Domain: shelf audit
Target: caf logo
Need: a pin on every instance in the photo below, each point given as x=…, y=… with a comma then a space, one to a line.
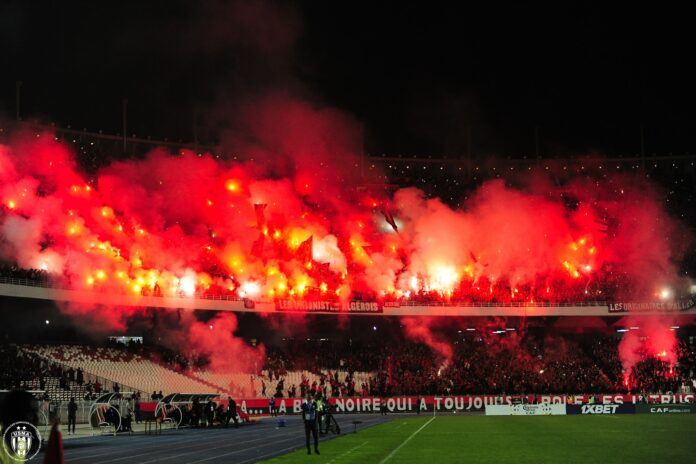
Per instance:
x=22, y=441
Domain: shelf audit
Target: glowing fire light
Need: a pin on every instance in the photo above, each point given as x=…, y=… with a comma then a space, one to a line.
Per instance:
x=232, y=185
x=443, y=278
x=301, y=287
x=249, y=288
x=126, y=244
x=187, y=285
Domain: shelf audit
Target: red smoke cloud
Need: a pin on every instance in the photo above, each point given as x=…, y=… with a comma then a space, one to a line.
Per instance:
x=292, y=221
x=419, y=329
x=647, y=338
x=226, y=352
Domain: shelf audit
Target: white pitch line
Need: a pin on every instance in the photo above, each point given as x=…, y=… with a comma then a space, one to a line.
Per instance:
x=347, y=452
x=391, y=455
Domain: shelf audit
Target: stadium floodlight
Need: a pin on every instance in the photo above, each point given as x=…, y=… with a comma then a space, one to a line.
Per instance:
x=47, y=322
x=512, y=329
x=622, y=330
x=471, y=329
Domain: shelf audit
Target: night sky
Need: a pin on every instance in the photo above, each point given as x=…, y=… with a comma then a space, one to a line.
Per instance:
x=420, y=77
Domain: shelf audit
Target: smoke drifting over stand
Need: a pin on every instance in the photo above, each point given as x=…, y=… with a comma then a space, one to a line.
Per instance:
x=294, y=221
x=295, y=216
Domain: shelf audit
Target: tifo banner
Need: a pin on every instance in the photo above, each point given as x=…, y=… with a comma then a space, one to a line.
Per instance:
x=468, y=403
x=665, y=408
x=328, y=306
x=632, y=399
x=391, y=304
x=398, y=404
x=601, y=409
x=654, y=306
x=545, y=409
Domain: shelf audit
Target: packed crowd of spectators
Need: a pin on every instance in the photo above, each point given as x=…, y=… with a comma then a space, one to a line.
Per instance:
x=561, y=290
x=13, y=272
x=482, y=364
x=326, y=383
x=17, y=367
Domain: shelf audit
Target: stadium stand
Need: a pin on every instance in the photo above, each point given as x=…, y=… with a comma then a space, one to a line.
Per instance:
x=485, y=362
x=535, y=362
x=131, y=371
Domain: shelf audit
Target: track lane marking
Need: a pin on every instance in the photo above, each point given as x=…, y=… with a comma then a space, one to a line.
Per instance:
x=187, y=440
x=167, y=441
x=169, y=456
x=209, y=458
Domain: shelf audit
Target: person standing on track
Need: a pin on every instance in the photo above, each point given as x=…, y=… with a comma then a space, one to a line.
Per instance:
x=209, y=413
x=72, y=414
x=309, y=417
x=232, y=412
x=137, y=409
x=320, y=413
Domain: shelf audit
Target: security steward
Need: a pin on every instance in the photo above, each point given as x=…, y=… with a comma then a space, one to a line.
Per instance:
x=321, y=413
x=309, y=417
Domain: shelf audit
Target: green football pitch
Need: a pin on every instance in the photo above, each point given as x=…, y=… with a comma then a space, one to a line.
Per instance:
x=606, y=439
